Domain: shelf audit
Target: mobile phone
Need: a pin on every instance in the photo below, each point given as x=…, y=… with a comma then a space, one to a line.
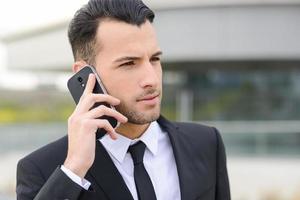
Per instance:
x=76, y=85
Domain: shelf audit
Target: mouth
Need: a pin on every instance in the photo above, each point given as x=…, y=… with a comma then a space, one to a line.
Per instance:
x=151, y=99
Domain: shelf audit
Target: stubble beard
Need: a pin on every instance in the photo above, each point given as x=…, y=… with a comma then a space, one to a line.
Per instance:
x=138, y=117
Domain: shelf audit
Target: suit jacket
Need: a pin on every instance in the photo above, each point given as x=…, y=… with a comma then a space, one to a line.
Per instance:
x=199, y=154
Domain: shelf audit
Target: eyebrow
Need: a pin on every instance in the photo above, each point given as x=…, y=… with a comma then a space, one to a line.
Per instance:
x=126, y=58
x=159, y=53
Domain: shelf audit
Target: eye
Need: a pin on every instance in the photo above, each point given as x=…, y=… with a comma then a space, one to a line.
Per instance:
x=130, y=63
x=155, y=59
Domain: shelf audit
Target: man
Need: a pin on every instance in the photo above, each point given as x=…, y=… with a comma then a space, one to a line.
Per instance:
x=146, y=157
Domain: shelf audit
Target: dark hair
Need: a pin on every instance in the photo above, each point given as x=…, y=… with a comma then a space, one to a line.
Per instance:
x=83, y=27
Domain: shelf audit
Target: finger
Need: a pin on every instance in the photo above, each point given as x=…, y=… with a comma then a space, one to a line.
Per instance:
x=102, y=123
x=90, y=100
x=104, y=110
x=89, y=85
x=105, y=98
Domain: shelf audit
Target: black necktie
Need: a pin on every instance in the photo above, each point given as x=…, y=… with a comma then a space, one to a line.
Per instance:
x=143, y=182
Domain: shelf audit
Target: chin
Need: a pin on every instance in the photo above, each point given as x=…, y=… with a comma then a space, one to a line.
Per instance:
x=142, y=118
x=139, y=115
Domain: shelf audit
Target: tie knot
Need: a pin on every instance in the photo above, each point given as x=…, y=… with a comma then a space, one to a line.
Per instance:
x=137, y=152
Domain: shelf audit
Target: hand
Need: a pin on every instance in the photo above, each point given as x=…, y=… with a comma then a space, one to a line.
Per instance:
x=83, y=124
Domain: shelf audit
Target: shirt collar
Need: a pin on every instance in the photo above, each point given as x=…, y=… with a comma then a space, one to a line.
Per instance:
x=118, y=148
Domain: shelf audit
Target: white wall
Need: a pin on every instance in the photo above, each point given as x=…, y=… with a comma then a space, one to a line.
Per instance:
x=47, y=50
x=230, y=33
x=3, y=64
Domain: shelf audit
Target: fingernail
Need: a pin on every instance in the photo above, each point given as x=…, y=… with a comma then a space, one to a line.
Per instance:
x=116, y=103
x=115, y=137
x=124, y=119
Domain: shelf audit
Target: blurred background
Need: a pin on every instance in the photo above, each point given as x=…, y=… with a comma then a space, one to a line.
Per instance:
x=233, y=64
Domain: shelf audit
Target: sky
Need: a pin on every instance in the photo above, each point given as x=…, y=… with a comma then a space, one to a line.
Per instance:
x=17, y=16
x=21, y=15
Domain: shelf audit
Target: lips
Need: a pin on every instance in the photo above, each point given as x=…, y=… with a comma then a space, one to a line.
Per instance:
x=149, y=97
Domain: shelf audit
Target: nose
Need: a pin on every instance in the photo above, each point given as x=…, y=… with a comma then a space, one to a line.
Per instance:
x=150, y=76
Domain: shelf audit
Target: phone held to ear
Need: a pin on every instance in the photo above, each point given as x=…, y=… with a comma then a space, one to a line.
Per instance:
x=76, y=85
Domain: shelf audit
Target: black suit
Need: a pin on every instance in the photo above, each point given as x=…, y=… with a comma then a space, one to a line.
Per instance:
x=199, y=153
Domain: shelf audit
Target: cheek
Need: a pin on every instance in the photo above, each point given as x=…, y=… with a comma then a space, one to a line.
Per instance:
x=159, y=75
x=120, y=88
x=110, y=81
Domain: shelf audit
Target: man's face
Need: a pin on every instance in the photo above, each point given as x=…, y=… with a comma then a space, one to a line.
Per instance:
x=128, y=62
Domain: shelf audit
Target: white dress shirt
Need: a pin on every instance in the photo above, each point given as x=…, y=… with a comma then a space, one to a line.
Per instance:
x=159, y=162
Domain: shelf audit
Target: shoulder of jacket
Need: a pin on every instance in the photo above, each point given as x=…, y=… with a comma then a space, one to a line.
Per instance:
x=193, y=126
x=196, y=131
x=55, y=150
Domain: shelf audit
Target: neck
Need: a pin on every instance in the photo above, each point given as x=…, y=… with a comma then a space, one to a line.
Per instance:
x=132, y=131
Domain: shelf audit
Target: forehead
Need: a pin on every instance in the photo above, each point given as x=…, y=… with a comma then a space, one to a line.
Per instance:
x=120, y=37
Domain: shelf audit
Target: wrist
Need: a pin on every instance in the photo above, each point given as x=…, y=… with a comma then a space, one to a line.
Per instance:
x=76, y=168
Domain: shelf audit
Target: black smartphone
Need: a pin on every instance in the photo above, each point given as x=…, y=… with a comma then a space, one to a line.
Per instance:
x=76, y=85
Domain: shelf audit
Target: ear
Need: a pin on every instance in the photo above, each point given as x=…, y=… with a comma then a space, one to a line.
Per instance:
x=78, y=65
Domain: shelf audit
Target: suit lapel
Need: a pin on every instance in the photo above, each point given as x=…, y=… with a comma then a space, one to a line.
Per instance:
x=107, y=176
x=191, y=174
